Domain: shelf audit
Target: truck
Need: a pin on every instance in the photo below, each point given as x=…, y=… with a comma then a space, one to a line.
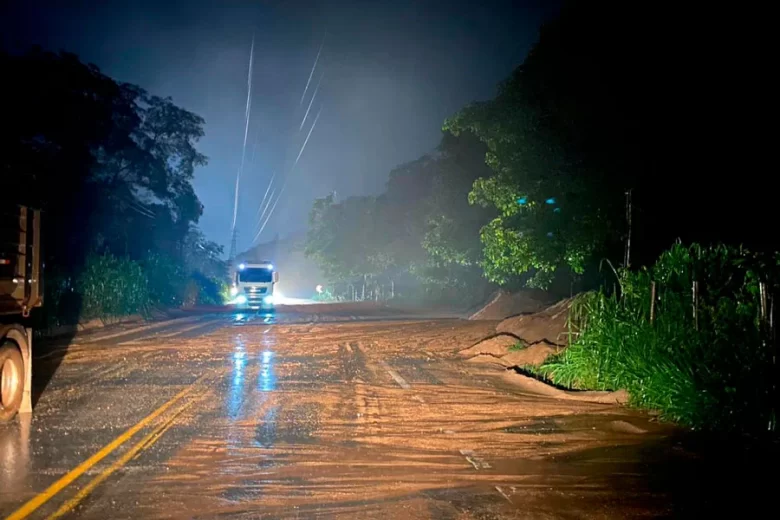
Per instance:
x=21, y=291
x=253, y=286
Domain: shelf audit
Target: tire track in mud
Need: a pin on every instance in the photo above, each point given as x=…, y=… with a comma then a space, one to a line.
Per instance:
x=298, y=427
x=323, y=430
x=357, y=378
x=136, y=355
x=352, y=363
x=194, y=331
x=290, y=420
x=414, y=371
x=71, y=379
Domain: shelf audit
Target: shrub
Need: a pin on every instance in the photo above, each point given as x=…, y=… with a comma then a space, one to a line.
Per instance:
x=110, y=287
x=711, y=372
x=167, y=280
x=207, y=291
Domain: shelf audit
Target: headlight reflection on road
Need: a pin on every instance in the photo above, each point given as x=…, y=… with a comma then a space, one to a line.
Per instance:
x=239, y=361
x=267, y=380
x=237, y=386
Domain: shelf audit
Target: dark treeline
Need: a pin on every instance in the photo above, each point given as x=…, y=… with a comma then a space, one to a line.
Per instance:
x=111, y=167
x=625, y=121
x=420, y=234
x=615, y=98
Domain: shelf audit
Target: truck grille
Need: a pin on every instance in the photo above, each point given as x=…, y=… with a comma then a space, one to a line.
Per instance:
x=254, y=295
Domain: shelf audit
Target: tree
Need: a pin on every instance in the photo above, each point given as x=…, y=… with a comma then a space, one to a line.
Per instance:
x=108, y=162
x=421, y=229
x=547, y=202
x=451, y=239
x=111, y=166
x=617, y=96
x=556, y=139
x=204, y=256
x=344, y=240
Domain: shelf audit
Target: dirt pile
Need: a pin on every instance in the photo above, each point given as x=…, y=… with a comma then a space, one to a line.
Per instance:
x=549, y=325
x=503, y=304
x=497, y=346
x=532, y=355
x=508, y=351
x=542, y=334
x=530, y=385
x=529, y=340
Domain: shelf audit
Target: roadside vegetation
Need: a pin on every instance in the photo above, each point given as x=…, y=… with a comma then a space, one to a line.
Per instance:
x=417, y=240
x=110, y=287
x=111, y=166
x=600, y=148
x=688, y=337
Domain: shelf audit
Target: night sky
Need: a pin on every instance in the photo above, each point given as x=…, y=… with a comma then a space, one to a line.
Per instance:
x=393, y=72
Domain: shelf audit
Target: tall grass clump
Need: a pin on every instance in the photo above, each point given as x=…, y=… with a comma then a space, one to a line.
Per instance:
x=712, y=371
x=111, y=287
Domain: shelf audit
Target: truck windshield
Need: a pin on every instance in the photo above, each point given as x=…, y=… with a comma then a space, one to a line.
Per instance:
x=255, y=275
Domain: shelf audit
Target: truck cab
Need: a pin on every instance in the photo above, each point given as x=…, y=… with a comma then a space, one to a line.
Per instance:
x=253, y=286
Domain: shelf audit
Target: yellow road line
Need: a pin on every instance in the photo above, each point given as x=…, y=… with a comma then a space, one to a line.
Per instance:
x=65, y=480
x=143, y=444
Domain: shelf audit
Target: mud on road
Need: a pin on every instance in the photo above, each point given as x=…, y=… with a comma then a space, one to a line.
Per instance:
x=245, y=416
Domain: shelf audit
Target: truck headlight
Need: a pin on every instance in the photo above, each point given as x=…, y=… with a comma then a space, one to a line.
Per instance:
x=240, y=299
x=268, y=300
x=233, y=290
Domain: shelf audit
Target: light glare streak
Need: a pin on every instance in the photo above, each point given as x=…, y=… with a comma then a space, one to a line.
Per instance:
x=307, y=139
x=265, y=195
x=265, y=209
x=311, y=74
x=313, y=97
x=269, y=215
x=246, y=133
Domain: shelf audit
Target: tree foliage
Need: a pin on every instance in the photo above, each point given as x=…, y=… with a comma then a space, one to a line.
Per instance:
x=555, y=210
x=107, y=161
x=420, y=229
x=110, y=164
x=343, y=238
x=203, y=256
x=709, y=369
x=616, y=97
x=613, y=99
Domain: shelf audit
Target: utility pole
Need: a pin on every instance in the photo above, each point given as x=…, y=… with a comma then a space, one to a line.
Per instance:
x=629, y=212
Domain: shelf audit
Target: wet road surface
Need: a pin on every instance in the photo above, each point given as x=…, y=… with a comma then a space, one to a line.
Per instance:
x=323, y=416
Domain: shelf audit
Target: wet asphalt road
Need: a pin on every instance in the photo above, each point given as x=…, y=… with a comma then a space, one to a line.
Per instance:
x=325, y=416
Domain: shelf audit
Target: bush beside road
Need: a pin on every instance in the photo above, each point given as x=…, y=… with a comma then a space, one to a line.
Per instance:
x=701, y=357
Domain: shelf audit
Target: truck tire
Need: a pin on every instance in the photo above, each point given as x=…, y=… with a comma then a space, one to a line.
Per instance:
x=11, y=380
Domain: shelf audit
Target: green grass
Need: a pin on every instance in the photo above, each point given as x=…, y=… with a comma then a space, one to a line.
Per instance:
x=717, y=377
x=110, y=287
x=517, y=346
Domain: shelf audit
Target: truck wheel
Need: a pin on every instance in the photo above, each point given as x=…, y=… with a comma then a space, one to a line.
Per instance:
x=11, y=380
